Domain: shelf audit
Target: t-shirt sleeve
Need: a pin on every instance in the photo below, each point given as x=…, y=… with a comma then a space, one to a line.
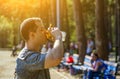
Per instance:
x=35, y=62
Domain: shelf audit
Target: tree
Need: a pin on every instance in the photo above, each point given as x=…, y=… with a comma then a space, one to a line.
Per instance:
x=5, y=32
x=64, y=21
x=89, y=17
x=52, y=12
x=110, y=23
x=101, y=33
x=117, y=24
x=80, y=30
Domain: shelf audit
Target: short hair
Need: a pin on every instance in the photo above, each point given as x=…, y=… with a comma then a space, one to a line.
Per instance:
x=95, y=54
x=29, y=25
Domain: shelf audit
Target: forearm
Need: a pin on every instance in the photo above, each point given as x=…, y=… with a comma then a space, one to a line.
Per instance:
x=57, y=49
x=55, y=55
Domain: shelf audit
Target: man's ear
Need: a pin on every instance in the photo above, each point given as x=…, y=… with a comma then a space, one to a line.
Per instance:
x=31, y=35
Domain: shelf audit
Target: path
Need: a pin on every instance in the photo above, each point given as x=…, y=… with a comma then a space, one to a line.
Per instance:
x=7, y=66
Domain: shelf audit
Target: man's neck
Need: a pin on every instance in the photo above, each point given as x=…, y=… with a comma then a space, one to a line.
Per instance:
x=32, y=47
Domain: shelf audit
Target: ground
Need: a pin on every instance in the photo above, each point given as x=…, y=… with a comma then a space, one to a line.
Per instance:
x=7, y=68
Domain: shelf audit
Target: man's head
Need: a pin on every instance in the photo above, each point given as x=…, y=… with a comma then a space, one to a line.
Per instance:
x=29, y=25
x=32, y=28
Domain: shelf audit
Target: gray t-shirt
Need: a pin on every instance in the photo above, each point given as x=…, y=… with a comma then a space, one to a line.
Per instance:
x=30, y=65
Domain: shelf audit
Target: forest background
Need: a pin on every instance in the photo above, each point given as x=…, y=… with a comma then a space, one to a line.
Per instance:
x=80, y=19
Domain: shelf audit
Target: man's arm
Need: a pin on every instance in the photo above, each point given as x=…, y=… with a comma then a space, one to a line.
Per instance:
x=55, y=55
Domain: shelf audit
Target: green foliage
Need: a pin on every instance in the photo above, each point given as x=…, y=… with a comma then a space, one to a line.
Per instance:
x=89, y=17
x=13, y=12
x=71, y=21
x=5, y=32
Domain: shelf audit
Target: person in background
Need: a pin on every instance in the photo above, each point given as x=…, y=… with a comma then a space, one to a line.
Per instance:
x=97, y=67
x=16, y=48
x=44, y=49
x=50, y=46
x=76, y=48
x=72, y=48
x=30, y=63
x=90, y=46
x=70, y=59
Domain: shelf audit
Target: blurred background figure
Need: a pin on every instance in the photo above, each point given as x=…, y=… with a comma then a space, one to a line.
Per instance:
x=44, y=49
x=16, y=48
x=90, y=46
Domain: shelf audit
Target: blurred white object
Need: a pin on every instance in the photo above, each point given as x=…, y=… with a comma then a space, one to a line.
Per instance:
x=63, y=35
x=44, y=50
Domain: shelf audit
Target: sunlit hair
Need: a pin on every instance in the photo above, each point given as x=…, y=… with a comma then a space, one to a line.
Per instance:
x=95, y=54
x=29, y=25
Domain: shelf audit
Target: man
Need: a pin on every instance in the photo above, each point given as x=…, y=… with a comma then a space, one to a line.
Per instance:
x=31, y=64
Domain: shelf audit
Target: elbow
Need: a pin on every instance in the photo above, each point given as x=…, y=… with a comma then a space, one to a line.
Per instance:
x=52, y=63
x=57, y=62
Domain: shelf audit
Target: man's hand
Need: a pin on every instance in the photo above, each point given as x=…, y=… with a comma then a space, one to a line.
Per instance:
x=56, y=33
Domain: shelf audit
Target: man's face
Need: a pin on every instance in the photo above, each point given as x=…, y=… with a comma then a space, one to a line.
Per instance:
x=40, y=37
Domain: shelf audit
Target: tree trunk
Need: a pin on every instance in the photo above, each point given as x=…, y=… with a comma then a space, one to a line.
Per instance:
x=110, y=14
x=100, y=34
x=81, y=38
x=52, y=12
x=117, y=24
x=64, y=22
